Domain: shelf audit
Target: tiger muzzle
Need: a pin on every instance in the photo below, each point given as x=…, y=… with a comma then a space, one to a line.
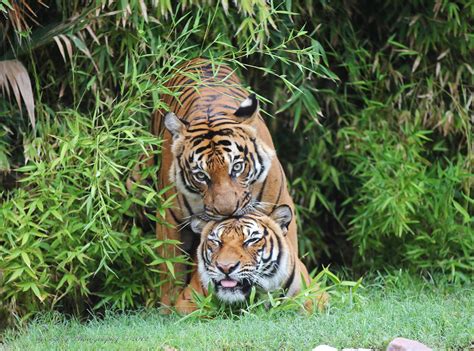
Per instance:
x=224, y=201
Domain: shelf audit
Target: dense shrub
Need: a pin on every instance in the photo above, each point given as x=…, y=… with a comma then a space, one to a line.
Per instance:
x=391, y=166
x=372, y=103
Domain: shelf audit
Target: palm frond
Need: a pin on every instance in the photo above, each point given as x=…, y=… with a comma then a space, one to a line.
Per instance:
x=14, y=79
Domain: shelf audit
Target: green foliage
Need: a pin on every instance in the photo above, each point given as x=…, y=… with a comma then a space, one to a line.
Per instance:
x=409, y=205
x=390, y=164
x=340, y=293
x=372, y=104
x=65, y=240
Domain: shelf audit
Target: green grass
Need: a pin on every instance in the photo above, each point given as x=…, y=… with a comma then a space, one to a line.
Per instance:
x=440, y=316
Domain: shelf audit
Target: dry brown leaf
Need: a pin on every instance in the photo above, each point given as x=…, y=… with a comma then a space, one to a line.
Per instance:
x=68, y=45
x=416, y=64
x=92, y=34
x=60, y=46
x=14, y=76
x=143, y=10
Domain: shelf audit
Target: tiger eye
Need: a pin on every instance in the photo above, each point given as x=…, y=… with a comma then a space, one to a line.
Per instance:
x=200, y=176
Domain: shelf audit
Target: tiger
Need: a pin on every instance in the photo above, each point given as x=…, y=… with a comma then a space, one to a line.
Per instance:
x=241, y=252
x=217, y=160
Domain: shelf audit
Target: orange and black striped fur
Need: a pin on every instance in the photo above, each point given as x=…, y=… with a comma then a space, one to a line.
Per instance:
x=247, y=251
x=217, y=154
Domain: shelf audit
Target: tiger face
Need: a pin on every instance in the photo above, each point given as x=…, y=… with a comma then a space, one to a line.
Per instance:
x=218, y=158
x=241, y=252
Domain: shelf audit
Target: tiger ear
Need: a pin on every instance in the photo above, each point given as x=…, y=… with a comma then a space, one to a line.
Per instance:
x=174, y=124
x=282, y=215
x=247, y=109
x=197, y=224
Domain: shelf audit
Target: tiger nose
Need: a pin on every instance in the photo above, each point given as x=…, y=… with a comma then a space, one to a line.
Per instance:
x=227, y=268
x=226, y=205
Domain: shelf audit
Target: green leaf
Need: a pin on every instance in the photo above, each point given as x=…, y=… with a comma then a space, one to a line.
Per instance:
x=36, y=291
x=26, y=259
x=462, y=211
x=16, y=274
x=170, y=266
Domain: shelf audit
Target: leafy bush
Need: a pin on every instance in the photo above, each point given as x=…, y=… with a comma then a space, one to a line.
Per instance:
x=65, y=240
x=372, y=104
x=69, y=239
x=390, y=164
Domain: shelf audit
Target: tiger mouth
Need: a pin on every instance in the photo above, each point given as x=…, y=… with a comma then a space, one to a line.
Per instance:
x=208, y=215
x=211, y=216
x=229, y=284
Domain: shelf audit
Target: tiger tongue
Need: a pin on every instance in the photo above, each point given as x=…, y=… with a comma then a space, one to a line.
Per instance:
x=228, y=283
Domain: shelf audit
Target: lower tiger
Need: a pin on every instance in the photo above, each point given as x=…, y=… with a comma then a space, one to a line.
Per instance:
x=247, y=251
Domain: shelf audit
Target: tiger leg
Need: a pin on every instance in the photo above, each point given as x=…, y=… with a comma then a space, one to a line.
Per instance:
x=185, y=303
x=320, y=299
x=171, y=284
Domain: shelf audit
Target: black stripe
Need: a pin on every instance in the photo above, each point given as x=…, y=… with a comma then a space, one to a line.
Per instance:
x=282, y=177
x=187, y=93
x=211, y=98
x=197, y=140
x=202, y=148
x=188, y=207
x=290, y=279
x=279, y=254
x=265, y=232
x=239, y=93
x=271, y=252
x=222, y=122
x=224, y=142
x=204, y=254
x=211, y=133
x=217, y=115
x=260, y=194
x=174, y=217
x=260, y=160
x=183, y=179
x=226, y=106
x=176, y=82
x=183, y=101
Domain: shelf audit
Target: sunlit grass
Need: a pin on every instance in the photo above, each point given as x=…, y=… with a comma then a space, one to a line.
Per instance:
x=436, y=314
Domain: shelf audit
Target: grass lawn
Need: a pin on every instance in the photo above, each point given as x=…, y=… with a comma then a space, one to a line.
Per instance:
x=440, y=316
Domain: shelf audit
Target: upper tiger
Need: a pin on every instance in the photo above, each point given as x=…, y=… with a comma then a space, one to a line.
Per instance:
x=218, y=157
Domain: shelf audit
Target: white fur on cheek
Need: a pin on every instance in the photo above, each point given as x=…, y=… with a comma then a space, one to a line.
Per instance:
x=195, y=200
x=205, y=278
x=278, y=279
x=267, y=157
x=281, y=275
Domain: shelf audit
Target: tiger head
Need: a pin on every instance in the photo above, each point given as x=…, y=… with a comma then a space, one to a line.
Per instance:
x=241, y=252
x=217, y=158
